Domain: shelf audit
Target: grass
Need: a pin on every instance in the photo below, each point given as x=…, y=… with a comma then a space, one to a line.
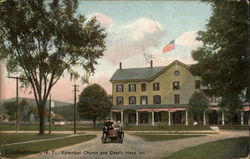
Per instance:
x=13, y=138
x=168, y=128
x=33, y=127
x=14, y=151
x=223, y=149
x=172, y=132
x=89, y=127
x=157, y=137
x=234, y=127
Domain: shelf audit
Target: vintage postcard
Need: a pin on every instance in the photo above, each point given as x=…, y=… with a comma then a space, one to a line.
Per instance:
x=124, y=79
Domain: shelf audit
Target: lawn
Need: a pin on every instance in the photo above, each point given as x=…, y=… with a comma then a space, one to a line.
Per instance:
x=89, y=127
x=33, y=127
x=223, y=149
x=167, y=128
x=14, y=151
x=13, y=138
x=162, y=137
x=234, y=127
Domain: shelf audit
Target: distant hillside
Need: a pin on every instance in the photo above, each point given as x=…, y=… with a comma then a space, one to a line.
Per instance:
x=62, y=108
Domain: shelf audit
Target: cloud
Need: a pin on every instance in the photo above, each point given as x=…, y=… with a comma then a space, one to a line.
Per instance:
x=188, y=39
x=103, y=19
x=134, y=39
x=143, y=27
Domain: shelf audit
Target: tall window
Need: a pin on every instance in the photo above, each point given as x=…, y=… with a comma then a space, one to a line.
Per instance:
x=119, y=100
x=132, y=100
x=119, y=88
x=197, y=84
x=143, y=87
x=144, y=100
x=132, y=87
x=176, y=85
x=177, y=99
x=157, y=99
x=156, y=86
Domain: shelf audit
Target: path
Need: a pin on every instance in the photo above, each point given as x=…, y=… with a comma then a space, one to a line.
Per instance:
x=132, y=148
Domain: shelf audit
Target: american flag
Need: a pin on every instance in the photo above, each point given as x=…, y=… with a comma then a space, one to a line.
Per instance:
x=170, y=46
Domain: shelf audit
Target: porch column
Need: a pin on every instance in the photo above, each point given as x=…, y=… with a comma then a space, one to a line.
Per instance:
x=204, y=118
x=169, y=118
x=241, y=118
x=153, y=119
x=121, y=117
x=137, y=117
x=186, y=117
x=223, y=119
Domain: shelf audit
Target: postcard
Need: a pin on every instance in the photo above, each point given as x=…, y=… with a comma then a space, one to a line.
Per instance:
x=124, y=79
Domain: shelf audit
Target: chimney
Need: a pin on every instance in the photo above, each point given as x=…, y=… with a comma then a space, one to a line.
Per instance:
x=120, y=65
x=151, y=63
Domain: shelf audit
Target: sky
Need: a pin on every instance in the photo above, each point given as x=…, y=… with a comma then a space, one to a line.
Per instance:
x=135, y=29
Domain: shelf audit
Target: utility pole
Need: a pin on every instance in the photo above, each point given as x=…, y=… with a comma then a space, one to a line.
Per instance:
x=75, y=90
x=17, y=102
x=50, y=118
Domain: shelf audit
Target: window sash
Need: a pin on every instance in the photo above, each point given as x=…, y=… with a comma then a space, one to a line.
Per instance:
x=176, y=85
x=197, y=84
x=119, y=100
x=143, y=87
x=157, y=99
x=144, y=100
x=132, y=88
x=156, y=86
x=132, y=100
x=177, y=99
x=119, y=88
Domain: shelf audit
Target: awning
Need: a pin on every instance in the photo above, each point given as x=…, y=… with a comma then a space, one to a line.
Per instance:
x=246, y=108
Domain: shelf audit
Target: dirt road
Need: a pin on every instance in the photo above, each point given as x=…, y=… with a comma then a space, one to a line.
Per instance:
x=132, y=148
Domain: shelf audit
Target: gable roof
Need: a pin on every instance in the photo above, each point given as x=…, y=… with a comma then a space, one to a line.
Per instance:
x=142, y=74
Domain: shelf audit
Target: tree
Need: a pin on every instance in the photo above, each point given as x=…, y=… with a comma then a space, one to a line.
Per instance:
x=198, y=104
x=224, y=58
x=42, y=40
x=94, y=103
x=11, y=108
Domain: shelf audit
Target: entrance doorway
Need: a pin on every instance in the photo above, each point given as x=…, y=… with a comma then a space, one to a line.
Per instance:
x=177, y=117
x=213, y=117
x=144, y=117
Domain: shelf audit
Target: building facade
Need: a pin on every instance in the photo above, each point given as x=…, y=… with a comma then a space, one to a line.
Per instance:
x=152, y=95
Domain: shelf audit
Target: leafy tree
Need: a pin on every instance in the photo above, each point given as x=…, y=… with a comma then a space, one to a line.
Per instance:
x=224, y=59
x=11, y=108
x=94, y=103
x=198, y=104
x=42, y=40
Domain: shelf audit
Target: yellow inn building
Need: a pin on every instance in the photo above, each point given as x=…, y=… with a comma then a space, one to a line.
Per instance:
x=149, y=95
